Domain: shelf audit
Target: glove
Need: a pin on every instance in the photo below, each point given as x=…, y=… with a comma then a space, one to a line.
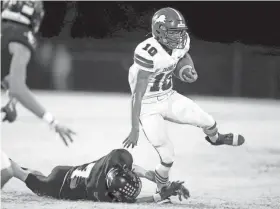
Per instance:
x=10, y=111
x=183, y=191
x=170, y=190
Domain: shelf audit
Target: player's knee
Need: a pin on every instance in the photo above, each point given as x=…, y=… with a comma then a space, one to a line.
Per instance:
x=209, y=121
x=211, y=130
x=6, y=175
x=6, y=164
x=6, y=169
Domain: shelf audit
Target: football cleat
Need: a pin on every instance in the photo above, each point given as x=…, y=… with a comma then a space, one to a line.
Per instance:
x=227, y=139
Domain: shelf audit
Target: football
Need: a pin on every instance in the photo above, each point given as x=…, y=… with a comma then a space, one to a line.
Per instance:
x=185, y=70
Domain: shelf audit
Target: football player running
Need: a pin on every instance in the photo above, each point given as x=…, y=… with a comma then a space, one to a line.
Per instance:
x=153, y=99
x=20, y=22
x=112, y=178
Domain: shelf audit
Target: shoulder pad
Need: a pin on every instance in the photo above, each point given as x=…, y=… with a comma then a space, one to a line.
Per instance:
x=144, y=55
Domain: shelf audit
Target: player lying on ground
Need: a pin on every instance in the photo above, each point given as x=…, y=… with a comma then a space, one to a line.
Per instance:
x=112, y=178
x=20, y=22
x=153, y=99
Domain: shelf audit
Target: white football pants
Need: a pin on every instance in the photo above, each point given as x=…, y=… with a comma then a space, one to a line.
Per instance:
x=172, y=107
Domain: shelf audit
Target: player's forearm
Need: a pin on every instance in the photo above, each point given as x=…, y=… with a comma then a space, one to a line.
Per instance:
x=137, y=96
x=149, y=199
x=143, y=173
x=151, y=175
x=135, y=110
x=23, y=95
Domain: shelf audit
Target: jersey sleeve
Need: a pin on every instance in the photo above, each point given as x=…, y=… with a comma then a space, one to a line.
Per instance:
x=142, y=59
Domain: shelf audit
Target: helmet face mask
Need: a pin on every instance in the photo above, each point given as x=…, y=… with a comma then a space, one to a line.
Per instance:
x=123, y=184
x=169, y=28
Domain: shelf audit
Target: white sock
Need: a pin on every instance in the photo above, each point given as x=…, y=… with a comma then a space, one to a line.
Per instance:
x=162, y=176
x=212, y=132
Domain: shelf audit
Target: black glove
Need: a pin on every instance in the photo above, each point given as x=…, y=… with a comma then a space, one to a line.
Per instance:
x=183, y=191
x=10, y=112
x=171, y=190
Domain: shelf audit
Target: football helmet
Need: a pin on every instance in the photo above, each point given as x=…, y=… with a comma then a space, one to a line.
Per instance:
x=169, y=28
x=123, y=184
x=30, y=12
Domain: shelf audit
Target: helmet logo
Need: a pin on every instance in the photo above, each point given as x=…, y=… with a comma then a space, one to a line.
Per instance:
x=161, y=18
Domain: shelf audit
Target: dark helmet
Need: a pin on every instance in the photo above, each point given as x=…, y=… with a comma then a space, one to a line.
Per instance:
x=123, y=184
x=30, y=12
x=169, y=28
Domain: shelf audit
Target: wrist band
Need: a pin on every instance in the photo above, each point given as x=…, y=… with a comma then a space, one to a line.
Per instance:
x=157, y=197
x=48, y=117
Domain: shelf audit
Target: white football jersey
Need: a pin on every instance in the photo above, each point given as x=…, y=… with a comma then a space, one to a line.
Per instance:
x=150, y=56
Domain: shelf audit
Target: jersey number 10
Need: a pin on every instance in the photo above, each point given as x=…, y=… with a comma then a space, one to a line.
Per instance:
x=151, y=50
x=164, y=79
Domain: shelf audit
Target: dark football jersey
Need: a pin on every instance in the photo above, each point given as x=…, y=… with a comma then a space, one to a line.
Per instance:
x=14, y=32
x=88, y=181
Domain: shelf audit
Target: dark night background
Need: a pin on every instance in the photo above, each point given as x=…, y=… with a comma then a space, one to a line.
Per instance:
x=88, y=46
x=248, y=22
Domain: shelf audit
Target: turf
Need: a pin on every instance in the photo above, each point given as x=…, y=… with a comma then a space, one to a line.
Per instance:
x=217, y=177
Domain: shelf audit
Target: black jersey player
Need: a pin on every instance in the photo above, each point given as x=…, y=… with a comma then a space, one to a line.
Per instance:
x=20, y=23
x=112, y=178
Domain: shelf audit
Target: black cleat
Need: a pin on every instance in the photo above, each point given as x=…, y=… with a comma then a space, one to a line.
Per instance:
x=227, y=139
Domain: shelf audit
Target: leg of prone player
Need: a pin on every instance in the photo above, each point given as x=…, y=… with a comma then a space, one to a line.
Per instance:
x=184, y=111
x=154, y=128
x=40, y=184
x=6, y=169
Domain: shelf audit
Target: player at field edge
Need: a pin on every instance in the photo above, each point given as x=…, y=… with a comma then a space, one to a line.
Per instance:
x=112, y=178
x=21, y=21
x=153, y=99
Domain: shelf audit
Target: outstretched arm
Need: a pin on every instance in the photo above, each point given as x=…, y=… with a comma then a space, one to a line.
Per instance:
x=136, y=103
x=20, y=92
x=171, y=190
x=150, y=175
x=143, y=173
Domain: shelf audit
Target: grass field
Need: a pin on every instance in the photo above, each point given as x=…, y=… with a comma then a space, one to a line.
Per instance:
x=218, y=177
